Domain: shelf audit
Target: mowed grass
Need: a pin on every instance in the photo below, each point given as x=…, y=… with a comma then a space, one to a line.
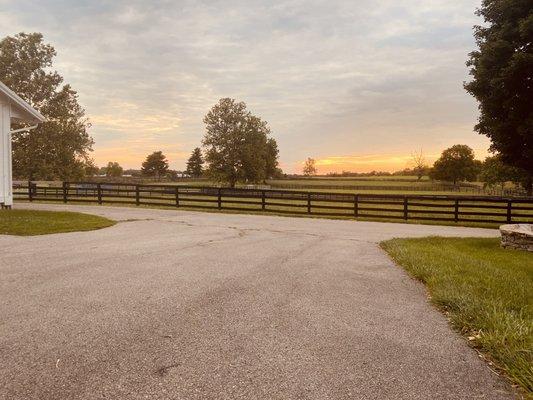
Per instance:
x=486, y=292
x=29, y=222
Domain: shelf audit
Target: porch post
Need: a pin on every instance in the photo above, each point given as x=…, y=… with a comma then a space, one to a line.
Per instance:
x=6, y=183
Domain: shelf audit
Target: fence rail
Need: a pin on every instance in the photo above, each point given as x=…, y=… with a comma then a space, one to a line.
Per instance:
x=443, y=208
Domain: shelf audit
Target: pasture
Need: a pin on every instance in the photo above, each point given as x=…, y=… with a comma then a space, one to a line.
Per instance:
x=441, y=209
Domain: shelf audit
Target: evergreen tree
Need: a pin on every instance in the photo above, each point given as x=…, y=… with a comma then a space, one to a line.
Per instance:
x=155, y=165
x=195, y=163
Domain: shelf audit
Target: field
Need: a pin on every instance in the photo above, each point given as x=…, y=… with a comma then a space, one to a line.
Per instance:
x=401, y=184
x=485, y=291
x=451, y=210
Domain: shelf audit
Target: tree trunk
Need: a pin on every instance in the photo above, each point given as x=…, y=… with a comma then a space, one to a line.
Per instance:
x=529, y=185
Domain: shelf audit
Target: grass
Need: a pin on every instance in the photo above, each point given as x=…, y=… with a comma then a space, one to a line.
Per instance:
x=321, y=209
x=28, y=222
x=486, y=292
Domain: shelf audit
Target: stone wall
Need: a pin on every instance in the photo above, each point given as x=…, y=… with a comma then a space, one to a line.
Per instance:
x=517, y=236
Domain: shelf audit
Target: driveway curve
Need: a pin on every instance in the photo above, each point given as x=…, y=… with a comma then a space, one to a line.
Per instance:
x=189, y=305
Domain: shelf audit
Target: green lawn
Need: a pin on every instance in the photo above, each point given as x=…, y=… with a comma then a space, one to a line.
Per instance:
x=486, y=291
x=27, y=222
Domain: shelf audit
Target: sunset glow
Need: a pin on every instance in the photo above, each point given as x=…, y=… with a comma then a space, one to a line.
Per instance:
x=355, y=85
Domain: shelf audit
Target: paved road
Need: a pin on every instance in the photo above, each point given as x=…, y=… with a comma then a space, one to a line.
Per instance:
x=184, y=305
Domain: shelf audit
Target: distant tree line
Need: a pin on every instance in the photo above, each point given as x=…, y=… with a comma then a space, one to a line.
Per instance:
x=455, y=165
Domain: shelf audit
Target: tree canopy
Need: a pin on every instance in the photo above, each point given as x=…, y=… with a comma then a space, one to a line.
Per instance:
x=237, y=144
x=195, y=163
x=495, y=172
x=113, y=169
x=456, y=164
x=502, y=71
x=155, y=165
x=59, y=147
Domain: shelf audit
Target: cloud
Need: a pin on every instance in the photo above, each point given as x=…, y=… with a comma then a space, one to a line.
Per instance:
x=365, y=76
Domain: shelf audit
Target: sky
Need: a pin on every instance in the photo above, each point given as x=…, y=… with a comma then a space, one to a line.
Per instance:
x=357, y=85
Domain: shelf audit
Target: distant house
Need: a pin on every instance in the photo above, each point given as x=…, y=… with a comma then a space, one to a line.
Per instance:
x=12, y=109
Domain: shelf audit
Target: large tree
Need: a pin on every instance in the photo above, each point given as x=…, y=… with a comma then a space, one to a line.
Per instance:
x=502, y=71
x=456, y=164
x=237, y=144
x=155, y=165
x=58, y=148
x=195, y=163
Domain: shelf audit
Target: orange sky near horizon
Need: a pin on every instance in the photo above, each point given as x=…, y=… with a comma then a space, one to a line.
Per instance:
x=374, y=162
x=132, y=156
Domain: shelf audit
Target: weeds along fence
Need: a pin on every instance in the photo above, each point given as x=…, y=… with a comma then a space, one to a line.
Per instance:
x=442, y=208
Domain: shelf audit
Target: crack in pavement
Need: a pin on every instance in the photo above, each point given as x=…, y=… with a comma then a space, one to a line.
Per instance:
x=243, y=230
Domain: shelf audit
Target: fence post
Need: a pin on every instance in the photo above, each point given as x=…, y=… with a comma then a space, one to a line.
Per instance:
x=263, y=200
x=99, y=192
x=308, y=203
x=356, y=205
x=137, y=196
x=177, y=196
x=509, y=211
x=30, y=194
x=456, y=211
x=405, y=208
x=219, y=198
x=64, y=192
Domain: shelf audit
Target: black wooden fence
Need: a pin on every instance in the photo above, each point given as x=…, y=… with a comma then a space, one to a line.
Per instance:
x=445, y=208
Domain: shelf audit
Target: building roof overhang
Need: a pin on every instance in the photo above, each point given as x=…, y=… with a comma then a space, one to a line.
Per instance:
x=20, y=110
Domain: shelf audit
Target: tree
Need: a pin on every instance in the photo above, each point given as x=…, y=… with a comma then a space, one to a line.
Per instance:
x=156, y=165
x=91, y=169
x=495, y=172
x=309, y=167
x=114, y=170
x=502, y=71
x=420, y=167
x=272, y=154
x=455, y=164
x=195, y=163
x=237, y=144
x=59, y=147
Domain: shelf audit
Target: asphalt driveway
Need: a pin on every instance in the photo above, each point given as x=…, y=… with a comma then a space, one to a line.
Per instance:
x=186, y=305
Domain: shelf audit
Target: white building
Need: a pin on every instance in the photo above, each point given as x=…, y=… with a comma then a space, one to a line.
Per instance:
x=12, y=109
